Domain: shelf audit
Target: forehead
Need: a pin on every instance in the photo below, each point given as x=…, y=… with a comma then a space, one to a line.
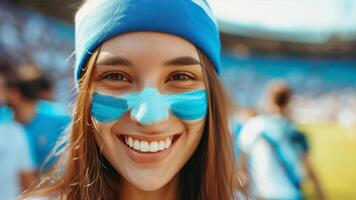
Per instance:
x=148, y=45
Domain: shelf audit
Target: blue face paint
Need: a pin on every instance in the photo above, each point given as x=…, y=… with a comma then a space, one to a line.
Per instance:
x=107, y=108
x=150, y=106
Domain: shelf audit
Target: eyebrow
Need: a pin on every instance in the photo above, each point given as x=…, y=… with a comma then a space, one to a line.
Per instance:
x=117, y=60
x=182, y=61
x=114, y=60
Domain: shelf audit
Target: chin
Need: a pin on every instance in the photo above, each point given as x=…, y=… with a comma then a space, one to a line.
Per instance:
x=150, y=184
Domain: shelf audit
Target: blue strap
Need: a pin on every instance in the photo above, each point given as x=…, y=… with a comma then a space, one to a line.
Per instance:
x=236, y=135
x=292, y=176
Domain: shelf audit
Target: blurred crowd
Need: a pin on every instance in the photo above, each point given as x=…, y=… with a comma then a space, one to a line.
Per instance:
x=30, y=124
x=29, y=37
x=33, y=73
x=324, y=89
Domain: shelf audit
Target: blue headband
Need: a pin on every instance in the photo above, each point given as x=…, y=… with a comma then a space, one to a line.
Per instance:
x=99, y=20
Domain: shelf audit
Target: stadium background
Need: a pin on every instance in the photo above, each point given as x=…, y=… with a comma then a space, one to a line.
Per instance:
x=320, y=65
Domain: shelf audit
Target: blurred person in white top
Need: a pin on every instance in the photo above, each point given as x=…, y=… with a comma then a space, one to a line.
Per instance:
x=17, y=169
x=274, y=153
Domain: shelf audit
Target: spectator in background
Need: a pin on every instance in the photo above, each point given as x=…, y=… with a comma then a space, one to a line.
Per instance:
x=42, y=128
x=275, y=154
x=17, y=169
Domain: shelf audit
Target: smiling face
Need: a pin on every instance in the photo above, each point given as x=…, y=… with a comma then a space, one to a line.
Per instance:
x=148, y=156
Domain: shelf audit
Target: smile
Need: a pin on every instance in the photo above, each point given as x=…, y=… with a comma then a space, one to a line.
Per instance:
x=148, y=145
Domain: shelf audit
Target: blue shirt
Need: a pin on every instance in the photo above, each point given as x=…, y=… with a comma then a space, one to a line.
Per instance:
x=5, y=114
x=236, y=134
x=51, y=107
x=43, y=132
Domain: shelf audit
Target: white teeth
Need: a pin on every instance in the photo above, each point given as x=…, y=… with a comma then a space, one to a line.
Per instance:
x=144, y=146
x=168, y=142
x=161, y=145
x=130, y=142
x=154, y=146
x=136, y=145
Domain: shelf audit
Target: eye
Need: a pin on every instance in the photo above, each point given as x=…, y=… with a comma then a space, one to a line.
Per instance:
x=181, y=77
x=114, y=76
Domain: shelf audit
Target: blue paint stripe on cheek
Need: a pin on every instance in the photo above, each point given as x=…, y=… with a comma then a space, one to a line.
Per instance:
x=190, y=105
x=106, y=108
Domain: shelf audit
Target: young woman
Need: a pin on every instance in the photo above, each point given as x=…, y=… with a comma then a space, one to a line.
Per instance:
x=150, y=120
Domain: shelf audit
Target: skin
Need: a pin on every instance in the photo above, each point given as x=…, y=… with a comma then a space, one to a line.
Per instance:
x=132, y=62
x=319, y=193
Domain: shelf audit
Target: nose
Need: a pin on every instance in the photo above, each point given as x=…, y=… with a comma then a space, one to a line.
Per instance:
x=149, y=107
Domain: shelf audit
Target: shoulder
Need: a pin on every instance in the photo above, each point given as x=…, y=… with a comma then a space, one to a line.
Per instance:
x=12, y=128
x=251, y=131
x=256, y=124
x=51, y=116
x=51, y=107
x=51, y=119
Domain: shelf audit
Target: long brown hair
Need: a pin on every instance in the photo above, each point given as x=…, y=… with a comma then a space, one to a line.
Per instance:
x=210, y=174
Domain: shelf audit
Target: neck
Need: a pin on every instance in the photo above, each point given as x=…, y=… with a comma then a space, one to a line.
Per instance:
x=25, y=111
x=169, y=191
